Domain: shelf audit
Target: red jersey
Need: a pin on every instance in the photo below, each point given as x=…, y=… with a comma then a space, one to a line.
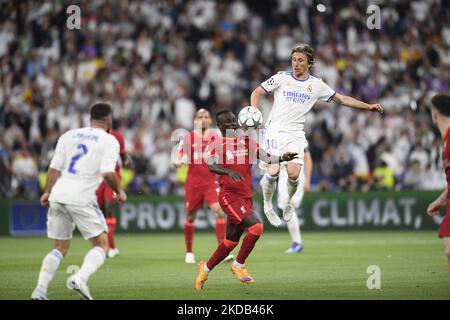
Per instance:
x=193, y=147
x=122, y=150
x=237, y=154
x=446, y=158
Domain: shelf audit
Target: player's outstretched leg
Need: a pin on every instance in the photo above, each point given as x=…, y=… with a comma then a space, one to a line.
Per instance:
x=238, y=266
x=49, y=266
x=221, y=252
x=268, y=185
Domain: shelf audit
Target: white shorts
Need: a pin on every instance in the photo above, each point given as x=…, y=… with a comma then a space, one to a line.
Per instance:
x=62, y=219
x=278, y=143
x=282, y=195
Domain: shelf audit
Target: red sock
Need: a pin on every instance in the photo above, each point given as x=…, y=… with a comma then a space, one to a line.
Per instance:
x=222, y=251
x=111, y=223
x=254, y=232
x=449, y=266
x=221, y=228
x=188, y=235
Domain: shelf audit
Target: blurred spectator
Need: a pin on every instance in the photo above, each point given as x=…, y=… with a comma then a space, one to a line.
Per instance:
x=343, y=170
x=25, y=174
x=383, y=177
x=414, y=176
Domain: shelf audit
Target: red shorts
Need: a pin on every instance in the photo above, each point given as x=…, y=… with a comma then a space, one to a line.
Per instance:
x=444, y=229
x=195, y=196
x=104, y=194
x=236, y=207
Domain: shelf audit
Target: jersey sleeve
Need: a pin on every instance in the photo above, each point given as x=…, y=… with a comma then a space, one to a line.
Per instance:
x=110, y=156
x=59, y=157
x=325, y=92
x=121, y=141
x=272, y=83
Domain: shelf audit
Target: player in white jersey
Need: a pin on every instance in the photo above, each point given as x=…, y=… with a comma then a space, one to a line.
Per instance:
x=83, y=158
x=303, y=186
x=295, y=93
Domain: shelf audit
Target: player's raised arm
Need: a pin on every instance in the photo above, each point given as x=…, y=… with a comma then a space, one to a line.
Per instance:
x=265, y=87
x=256, y=96
x=357, y=104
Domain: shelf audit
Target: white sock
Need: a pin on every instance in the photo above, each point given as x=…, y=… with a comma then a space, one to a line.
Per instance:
x=49, y=266
x=205, y=268
x=237, y=264
x=92, y=261
x=294, y=229
x=292, y=187
x=268, y=185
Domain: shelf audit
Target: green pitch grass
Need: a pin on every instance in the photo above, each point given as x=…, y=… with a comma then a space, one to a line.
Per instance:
x=333, y=266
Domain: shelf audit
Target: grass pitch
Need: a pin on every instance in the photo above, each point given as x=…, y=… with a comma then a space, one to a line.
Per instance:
x=332, y=266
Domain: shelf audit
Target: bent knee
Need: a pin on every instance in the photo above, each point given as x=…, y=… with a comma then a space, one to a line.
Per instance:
x=256, y=229
x=230, y=244
x=190, y=216
x=294, y=177
x=273, y=170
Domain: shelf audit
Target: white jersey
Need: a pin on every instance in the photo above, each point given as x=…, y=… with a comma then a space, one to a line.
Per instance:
x=82, y=155
x=293, y=99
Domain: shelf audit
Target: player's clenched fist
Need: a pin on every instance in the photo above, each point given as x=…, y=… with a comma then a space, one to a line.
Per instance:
x=434, y=208
x=376, y=108
x=289, y=156
x=44, y=198
x=121, y=197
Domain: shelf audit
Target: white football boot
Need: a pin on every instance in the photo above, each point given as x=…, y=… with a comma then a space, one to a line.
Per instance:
x=113, y=253
x=190, y=258
x=75, y=283
x=39, y=295
x=271, y=215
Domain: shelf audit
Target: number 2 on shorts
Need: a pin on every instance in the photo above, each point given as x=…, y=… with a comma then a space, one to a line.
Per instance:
x=77, y=157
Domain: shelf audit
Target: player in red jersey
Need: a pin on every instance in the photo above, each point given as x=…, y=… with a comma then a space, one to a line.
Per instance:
x=201, y=184
x=106, y=197
x=440, y=113
x=231, y=156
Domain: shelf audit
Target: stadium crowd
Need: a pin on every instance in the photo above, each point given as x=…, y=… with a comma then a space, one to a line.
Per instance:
x=156, y=62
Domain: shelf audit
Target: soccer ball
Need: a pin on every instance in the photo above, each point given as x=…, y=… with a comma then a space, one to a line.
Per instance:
x=250, y=117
